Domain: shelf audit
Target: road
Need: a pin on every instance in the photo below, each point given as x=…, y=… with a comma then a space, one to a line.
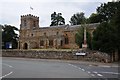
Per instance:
x=44, y=68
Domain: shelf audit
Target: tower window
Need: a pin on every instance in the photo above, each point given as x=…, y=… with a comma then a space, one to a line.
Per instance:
x=34, y=24
x=25, y=23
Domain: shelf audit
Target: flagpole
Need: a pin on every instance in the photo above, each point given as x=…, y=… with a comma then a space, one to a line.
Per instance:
x=30, y=8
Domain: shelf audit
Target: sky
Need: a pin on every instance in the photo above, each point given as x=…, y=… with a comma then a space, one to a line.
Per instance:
x=11, y=10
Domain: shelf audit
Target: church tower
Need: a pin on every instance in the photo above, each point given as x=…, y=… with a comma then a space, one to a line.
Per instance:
x=29, y=23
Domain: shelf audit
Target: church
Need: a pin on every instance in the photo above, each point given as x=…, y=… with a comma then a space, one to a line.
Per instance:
x=32, y=36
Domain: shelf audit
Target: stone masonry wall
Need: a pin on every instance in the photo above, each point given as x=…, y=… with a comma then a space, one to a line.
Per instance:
x=65, y=55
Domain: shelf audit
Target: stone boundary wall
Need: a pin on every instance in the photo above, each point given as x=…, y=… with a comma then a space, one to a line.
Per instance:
x=64, y=55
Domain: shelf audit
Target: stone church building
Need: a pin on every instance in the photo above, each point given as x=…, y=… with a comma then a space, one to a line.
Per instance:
x=59, y=37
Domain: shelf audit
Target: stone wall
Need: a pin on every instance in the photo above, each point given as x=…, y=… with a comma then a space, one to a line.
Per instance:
x=58, y=54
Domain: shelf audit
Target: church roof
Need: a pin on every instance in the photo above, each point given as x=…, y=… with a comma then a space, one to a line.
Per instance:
x=71, y=27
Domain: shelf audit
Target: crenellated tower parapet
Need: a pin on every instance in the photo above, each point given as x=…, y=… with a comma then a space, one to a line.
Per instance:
x=29, y=15
x=29, y=21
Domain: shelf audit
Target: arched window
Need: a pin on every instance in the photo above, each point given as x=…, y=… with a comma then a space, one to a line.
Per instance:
x=61, y=43
x=44, y=33
x=41, y=43
x=31, y=34
x=66, y=40
x=50, y=42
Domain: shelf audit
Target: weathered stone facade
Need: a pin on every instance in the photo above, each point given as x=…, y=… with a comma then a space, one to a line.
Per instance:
x=34, y=37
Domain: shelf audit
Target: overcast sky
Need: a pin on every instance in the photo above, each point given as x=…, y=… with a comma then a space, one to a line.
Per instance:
x=11, y=10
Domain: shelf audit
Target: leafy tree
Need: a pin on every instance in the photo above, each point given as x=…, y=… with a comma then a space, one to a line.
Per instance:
x=57, y=19
x=89, y=39
x=77, y=19
x=107, y=10
x=115, y=22
x=0, y=37
x=9, y=35
x=79, y=36
x=94, y=18
x=104, y=38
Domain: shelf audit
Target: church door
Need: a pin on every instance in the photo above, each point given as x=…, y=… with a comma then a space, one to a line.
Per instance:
x=25, y=46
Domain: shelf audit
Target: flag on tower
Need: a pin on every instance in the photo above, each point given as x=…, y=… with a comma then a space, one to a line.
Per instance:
x=31, y=8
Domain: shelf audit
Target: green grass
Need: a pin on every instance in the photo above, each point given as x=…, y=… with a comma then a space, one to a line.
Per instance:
x=52, y=49
x=43, y=49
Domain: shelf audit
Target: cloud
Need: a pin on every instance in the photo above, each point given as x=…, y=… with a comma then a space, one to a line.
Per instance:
x=55, y=1
x=11, y=10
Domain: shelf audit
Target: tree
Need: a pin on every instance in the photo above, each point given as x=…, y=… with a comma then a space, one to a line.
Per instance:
x=104, y=38
x=77, y=19
x=57, y=19
x=79, y=36
x=115, y=22
x=9, y=35
x=89, y=39
x=94, y=18
x=107, y=10
x=0, y=36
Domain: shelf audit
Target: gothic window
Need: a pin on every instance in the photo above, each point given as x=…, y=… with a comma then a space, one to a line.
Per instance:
x=31, y=34
x=61, y=43
x=50, y=42
x=34, y=24
x=57, y=33
x=25, y=23
x=66, y=40
x=41, y=43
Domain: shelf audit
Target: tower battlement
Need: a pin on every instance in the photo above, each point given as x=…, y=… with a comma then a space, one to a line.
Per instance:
x=29, y=21
x=29, y=15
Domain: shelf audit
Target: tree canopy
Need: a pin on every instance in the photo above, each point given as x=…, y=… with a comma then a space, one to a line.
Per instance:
x=94, y=18
x=77, y=19
x=57, y=19
x=107, y=10
x=106, y=36
x=9, y=35
x=79, y=36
